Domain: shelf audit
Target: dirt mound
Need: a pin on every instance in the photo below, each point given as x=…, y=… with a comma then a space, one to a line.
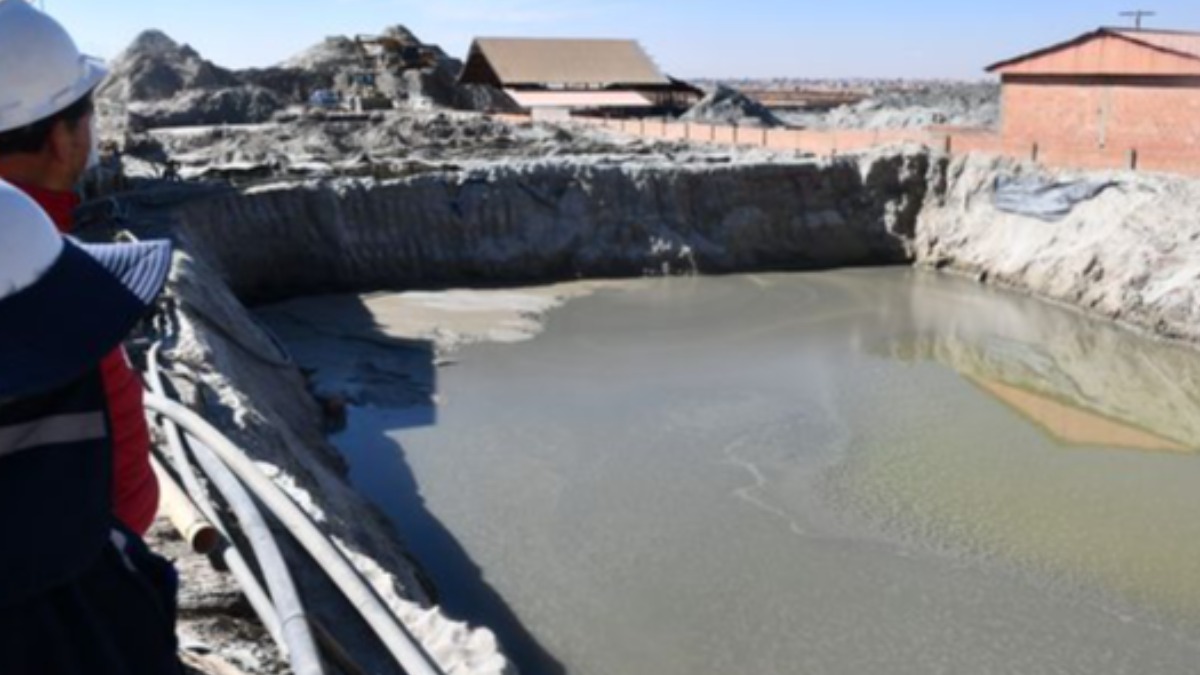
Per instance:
x=158, y=82
x=908, y=107
x=725, y=105
x=154, y=67
x=435, y=83
x=329, y=56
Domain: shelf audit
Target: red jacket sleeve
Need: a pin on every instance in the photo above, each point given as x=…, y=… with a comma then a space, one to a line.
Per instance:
x=135, y=488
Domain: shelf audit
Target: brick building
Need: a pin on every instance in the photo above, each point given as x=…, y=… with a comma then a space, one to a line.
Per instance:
x=1112, y=89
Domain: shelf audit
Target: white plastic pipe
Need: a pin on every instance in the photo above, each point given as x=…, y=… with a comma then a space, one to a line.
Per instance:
x=195, y=529
x=293, y=622
x=298, y=639
x=246, y=578
x=408, y=653
x=232, y=557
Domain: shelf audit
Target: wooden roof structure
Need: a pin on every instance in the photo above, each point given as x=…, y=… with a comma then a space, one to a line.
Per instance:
x=560, y=63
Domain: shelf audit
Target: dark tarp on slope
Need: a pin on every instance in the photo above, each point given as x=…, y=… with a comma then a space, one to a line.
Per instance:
x=1042, y=198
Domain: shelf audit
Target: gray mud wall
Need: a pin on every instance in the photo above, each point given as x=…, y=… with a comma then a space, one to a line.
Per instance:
x=559, y=220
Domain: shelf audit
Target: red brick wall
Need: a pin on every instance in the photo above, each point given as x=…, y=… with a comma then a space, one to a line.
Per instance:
x=1102, y=114
x=1162, y=125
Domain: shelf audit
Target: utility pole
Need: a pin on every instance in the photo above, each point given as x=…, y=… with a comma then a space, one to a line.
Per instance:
x=1137, y=15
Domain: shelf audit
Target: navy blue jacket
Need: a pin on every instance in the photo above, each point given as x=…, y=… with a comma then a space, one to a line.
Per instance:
x=79, y=593
x=55, y=478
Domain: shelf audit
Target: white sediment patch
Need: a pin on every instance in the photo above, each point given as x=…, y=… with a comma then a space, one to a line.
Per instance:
x=460, y=317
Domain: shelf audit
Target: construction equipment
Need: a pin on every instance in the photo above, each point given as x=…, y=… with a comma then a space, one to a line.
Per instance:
x=394, y=53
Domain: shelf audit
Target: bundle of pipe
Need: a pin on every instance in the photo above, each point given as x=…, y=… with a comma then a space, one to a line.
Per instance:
x=281, y=613
x=228, y=468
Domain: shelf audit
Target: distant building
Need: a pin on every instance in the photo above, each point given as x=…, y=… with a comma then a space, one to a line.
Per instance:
x=1113, y=88
x=553, y=78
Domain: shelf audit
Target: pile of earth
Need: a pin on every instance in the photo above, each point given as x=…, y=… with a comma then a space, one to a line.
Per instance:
x=966, y=104
x=381, y=146
x=725, y=105
x=436, y=84
x=157, y=82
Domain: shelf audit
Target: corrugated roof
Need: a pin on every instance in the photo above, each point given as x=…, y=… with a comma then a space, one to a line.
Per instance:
x=1187, y=44
x=1169, y=52
x=578, y=99
x=526, y=61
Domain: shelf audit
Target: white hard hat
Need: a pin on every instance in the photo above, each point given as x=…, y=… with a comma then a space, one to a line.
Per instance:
x=29, y=243
x=41, y=69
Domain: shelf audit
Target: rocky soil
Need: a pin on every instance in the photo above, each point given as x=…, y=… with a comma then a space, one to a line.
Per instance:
x=385, y=145
x=157, y=82
x=725, y=105
x=954, y=104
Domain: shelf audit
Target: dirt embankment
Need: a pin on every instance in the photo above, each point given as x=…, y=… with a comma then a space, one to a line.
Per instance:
x=538, y=221
x=1130, y=253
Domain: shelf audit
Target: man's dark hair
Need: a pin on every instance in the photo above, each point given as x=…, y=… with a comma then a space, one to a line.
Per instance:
x=33, y=137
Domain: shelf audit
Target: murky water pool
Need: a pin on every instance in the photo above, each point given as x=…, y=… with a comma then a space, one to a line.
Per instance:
x=870, y=471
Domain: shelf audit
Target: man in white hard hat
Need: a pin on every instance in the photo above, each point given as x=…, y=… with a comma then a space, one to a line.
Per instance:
x=47, y=140
x=79, y=593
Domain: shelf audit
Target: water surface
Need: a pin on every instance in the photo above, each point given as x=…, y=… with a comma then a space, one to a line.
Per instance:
x=874, y=471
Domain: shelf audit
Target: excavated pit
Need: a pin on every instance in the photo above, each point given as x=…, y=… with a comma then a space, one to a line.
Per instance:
x=532, y=221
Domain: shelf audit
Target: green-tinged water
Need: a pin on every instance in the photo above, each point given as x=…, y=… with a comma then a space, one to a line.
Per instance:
x=873, y=471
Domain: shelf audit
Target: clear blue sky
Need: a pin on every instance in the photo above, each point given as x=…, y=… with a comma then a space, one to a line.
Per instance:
x=759, y=38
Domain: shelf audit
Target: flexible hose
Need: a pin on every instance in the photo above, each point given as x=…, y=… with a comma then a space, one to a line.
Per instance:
x=232, y=557
x=411, y=657
x=297, y=634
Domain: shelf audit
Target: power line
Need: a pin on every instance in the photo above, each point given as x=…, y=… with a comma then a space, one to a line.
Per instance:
x=1138, y=15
